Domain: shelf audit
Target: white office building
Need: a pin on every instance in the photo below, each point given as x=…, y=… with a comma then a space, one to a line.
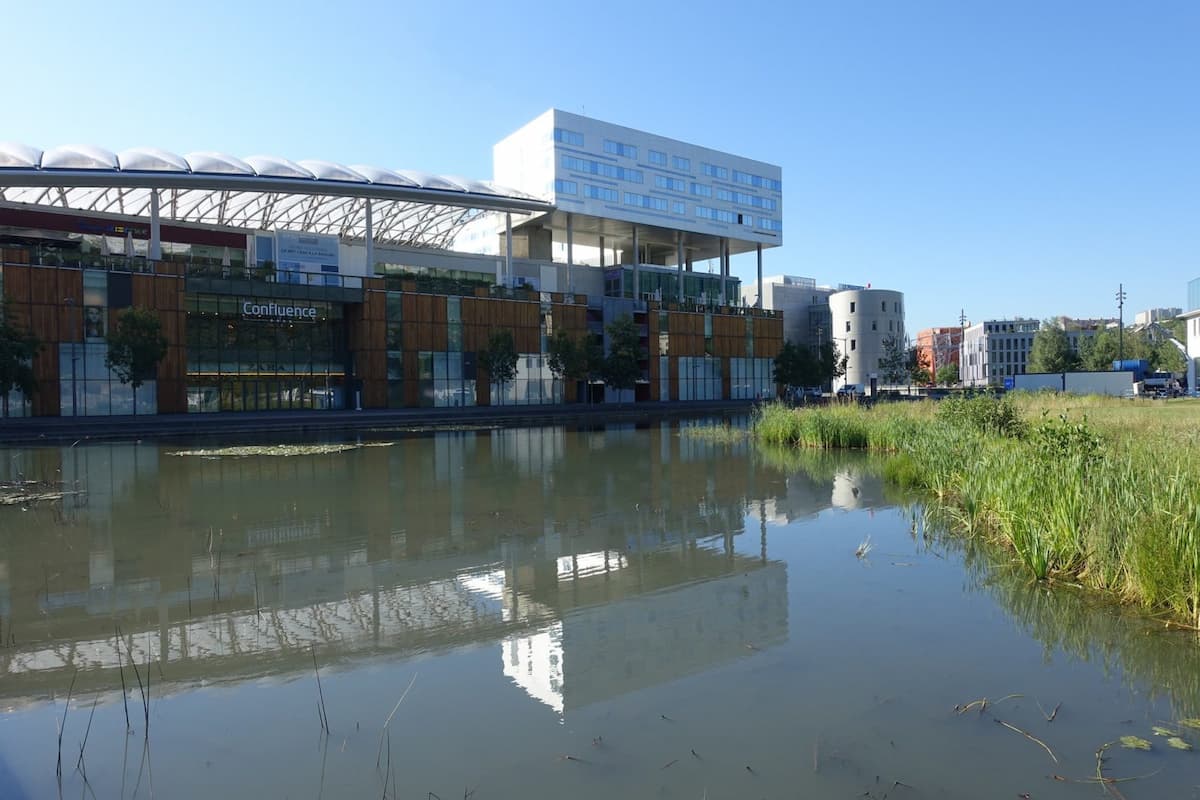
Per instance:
x=864, y=321
x=642, y=207
x=804, y=303
x=1191, y=319
x=996, y=349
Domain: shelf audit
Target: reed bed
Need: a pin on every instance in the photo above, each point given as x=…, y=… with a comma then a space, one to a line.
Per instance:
x=1102, y=492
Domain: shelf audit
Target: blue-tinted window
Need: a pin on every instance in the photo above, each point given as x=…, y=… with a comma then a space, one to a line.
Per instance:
x=768, y=224
x=592, y=167
x=600, y=193
x=568, y=137
x=681, y=163
x=666, y=182
x=701, y=190
x=645, y=201
x=566, y=187
x=678, y=207
x=713, y=171
x=655, y=157
x=757, y=181
x=620, y=149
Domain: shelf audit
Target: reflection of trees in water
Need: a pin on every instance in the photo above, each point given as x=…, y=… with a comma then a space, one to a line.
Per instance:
x=1084, y=624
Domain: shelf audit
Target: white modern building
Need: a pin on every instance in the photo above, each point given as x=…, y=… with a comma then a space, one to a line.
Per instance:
x=1156, y=315
x=1191, y=319
x=863, y=322
x=804, y=303
x=996, y=349
x=642, y=207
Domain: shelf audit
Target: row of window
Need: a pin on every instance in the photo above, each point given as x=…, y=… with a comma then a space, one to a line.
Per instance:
x=564, y=136
x=752, y=200
x=620, y=149
x=659, y=158
x=882, y=306
x=590, y=167
x=645, y=201
x=757, y=181
x=673, y=184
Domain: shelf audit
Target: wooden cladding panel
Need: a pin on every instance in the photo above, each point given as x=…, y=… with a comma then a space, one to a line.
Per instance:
x=16, y=283
x=143, y=291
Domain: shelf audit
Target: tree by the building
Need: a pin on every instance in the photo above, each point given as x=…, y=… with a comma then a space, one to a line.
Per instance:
x=832, y=362
x=17, y=348
x=894, y=364
x=947, y=374
x=572, y=358
x=796, y=366
x=1051, y=351
x=135, y=346
x=499, y=358
x=621, y=369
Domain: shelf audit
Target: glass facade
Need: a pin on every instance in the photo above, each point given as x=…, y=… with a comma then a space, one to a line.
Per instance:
x=751, y=378
x=533, y=385
x=446, y=380
x=88, y=388
x=248, y=354
x=699, y=378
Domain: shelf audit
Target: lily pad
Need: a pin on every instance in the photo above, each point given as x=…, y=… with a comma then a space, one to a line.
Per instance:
x=276, y=450
x=1178, y=744
x=1135, y=743
x=1161, y=731
x=1191, y=723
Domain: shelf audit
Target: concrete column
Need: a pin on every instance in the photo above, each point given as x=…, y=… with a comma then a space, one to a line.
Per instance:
x=570, y=253
x=369, y=237
x=759, y=304
x=679, y=265
x=508, y=248
x=637, y=258
x=722, y=260
x=155, y=228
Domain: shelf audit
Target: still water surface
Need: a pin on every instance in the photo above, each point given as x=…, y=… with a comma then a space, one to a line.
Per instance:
x=591, y=614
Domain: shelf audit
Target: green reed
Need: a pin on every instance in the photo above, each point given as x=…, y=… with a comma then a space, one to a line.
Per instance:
x=1105, y=493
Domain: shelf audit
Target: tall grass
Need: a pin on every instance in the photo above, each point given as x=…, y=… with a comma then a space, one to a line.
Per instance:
x=1105, y=493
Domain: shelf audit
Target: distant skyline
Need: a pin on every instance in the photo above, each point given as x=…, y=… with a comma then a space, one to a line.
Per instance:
x=1014, y=159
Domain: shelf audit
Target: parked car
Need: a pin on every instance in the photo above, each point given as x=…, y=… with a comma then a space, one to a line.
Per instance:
x=851, y=390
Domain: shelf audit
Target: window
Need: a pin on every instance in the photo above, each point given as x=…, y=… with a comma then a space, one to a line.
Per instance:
x=716, y=214
x=566, y=187
x=620, y=149
x=681, y=163
x=565, y=136
x=883, y=306
x=873, y=325
x=599, y=193
x=757, y=181
x=847, y=326
x=656, y=157
x=713, y=171
x=678, y=207
x=645, y=201
x=674, y=184
x=851, y=306
x=700, y=190
x=768, y=224
x=591, y=167
x=853, y=344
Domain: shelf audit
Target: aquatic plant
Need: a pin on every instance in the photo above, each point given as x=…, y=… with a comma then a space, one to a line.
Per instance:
x=1103, y=492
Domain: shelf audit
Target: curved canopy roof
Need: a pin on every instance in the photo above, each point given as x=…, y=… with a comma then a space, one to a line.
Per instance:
x=258, y=192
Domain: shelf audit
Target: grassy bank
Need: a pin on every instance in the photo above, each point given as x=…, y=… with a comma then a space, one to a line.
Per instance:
x=1101, y=492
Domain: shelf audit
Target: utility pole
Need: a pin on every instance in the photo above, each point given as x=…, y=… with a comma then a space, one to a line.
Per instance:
x=1120, y=322
x=962, y=346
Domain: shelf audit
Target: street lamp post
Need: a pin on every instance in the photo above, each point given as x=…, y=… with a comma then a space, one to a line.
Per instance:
x=1120, y=322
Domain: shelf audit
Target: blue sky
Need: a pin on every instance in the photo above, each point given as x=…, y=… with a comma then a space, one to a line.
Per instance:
x=1002, y=158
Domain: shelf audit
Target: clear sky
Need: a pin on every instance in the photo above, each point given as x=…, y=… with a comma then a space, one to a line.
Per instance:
x=1015, y=157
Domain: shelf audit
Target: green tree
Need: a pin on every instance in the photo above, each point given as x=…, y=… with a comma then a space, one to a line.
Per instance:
x=135, y=346
x=1097, y=353
x=796, y=365
x=893, y=366
x=621, y=369
x=920, y=376
x=1166, y=357
x=17, y=348
x=832, y=363
x=1051, y=351
x=499, y=359
x=572, y=358
x=947, y=374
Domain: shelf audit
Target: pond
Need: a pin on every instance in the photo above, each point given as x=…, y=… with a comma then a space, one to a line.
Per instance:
x=547, y=613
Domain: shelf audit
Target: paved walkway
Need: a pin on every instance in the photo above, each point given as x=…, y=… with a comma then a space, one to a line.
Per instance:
x=33, y=430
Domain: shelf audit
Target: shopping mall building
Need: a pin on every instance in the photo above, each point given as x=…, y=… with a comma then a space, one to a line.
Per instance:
x=313, y=285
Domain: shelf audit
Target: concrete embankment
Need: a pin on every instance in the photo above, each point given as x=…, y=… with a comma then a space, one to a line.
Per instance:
x=230, y=425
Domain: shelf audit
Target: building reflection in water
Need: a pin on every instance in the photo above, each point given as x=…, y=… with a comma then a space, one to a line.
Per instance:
x=600, y=562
